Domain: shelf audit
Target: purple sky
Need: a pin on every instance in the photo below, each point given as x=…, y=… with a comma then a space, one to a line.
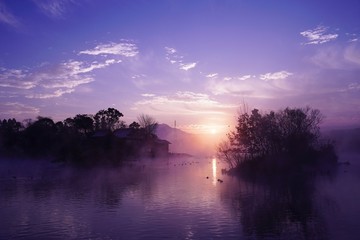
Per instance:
x=191, y=61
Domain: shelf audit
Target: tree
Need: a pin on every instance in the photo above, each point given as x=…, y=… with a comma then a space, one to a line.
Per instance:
x=299, y=128
x=107, y=119
x=84, y=123
x=148, y=124
x=9, y=133
x=134, y=125
x=292, y=132
x=40, y=136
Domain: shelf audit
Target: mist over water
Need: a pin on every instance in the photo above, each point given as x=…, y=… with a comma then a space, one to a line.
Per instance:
x=184, y=198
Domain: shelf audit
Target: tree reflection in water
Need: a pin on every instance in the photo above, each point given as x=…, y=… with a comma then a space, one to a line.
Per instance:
x=280, y=207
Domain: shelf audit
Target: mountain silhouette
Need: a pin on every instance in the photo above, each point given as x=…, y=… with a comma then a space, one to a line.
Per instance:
x=183, y=142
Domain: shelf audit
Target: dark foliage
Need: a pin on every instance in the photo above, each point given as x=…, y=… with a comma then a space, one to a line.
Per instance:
x=9, y=135
x=107, y=119
x=81, y=140
x=286, y=139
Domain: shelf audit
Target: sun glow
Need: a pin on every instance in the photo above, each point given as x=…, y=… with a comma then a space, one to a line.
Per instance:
x=213, y=129
x=214, y=171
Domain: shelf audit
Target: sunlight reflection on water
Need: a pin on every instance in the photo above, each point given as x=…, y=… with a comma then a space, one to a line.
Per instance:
x=214, y=170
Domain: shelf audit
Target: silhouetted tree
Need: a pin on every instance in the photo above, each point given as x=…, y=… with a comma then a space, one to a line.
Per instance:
x=107, y=119
x=40, y=136
x=299, y=128
x=148, y=124
x=292, y=132
x=134, y=125
x=69, y=122
x=9, y=133
x=84, y=123
x=120, y=124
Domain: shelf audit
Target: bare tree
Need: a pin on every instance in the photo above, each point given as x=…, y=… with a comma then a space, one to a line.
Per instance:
x=149, y=125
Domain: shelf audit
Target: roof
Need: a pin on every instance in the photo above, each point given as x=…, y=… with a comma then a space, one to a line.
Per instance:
x=122, y=132
x=101, y=133
x=161, y=141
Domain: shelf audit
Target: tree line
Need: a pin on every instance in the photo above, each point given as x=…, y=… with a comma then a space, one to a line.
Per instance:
x=71, y=140
x=287, y=138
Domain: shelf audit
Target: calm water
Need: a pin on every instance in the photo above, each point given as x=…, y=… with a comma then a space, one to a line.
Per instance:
x=174, y=200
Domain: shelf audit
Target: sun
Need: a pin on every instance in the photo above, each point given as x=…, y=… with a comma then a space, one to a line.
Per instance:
x=213, y=131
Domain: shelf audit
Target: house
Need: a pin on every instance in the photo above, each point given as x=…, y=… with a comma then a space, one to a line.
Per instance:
x=137, y=145
x=160, y=148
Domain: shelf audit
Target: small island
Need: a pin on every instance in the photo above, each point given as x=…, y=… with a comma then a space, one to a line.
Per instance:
x=278, y=143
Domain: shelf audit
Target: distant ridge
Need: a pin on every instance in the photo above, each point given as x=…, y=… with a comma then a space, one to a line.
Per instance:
x=183, y=142
x=164, y=131
x=346, y=139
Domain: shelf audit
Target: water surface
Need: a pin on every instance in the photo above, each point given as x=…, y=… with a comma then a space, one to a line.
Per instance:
x=175, y=199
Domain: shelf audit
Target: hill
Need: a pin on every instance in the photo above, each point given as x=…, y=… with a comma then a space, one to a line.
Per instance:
x=183, y=142
x=346, y=140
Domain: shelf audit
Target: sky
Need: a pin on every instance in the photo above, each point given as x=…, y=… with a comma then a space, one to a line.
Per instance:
x=193, y=62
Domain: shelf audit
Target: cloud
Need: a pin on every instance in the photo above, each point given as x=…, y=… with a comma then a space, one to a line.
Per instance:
x=121, y=49
x=69, y=74
x=170, y=50
x=182, y=102
x=275, y=75
x=50, y=81
x=136, y=76
x=57, y=93
x=11, y=109
x=212, y=75
x=142, y=81
x=174, y=58
x=245, y=77
x=7, y=17
x=54, y=8
x=318, y=35
x=354, y=86
x=148, y=95
x=338, y=57
x=268, y=85
x=187, y=66
x=352, y=54
x=16, y=78
x=353, y=37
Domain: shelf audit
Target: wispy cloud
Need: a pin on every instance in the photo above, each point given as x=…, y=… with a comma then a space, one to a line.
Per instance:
x=7, y=17
x=148, y=95
x=170, y=50
x=187, y=66
x=318, y=35
x=212, y=75
x=125, y=49
x=182, y=102
x=353, y=37
x=245, y=77
x=56, y=93
x=50, y=81
x=54, y=8
x=354, y=86
x=174, y=58
x=12, y=109
x=143, y=81
x=275, y=75
x=16, y=78
x=352, y=53
x=338, y=57
x=267, y=85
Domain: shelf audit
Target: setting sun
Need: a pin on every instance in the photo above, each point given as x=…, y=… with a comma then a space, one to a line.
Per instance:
x=213, y=131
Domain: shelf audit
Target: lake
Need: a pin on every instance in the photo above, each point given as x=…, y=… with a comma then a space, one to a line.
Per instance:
x=174, y=199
